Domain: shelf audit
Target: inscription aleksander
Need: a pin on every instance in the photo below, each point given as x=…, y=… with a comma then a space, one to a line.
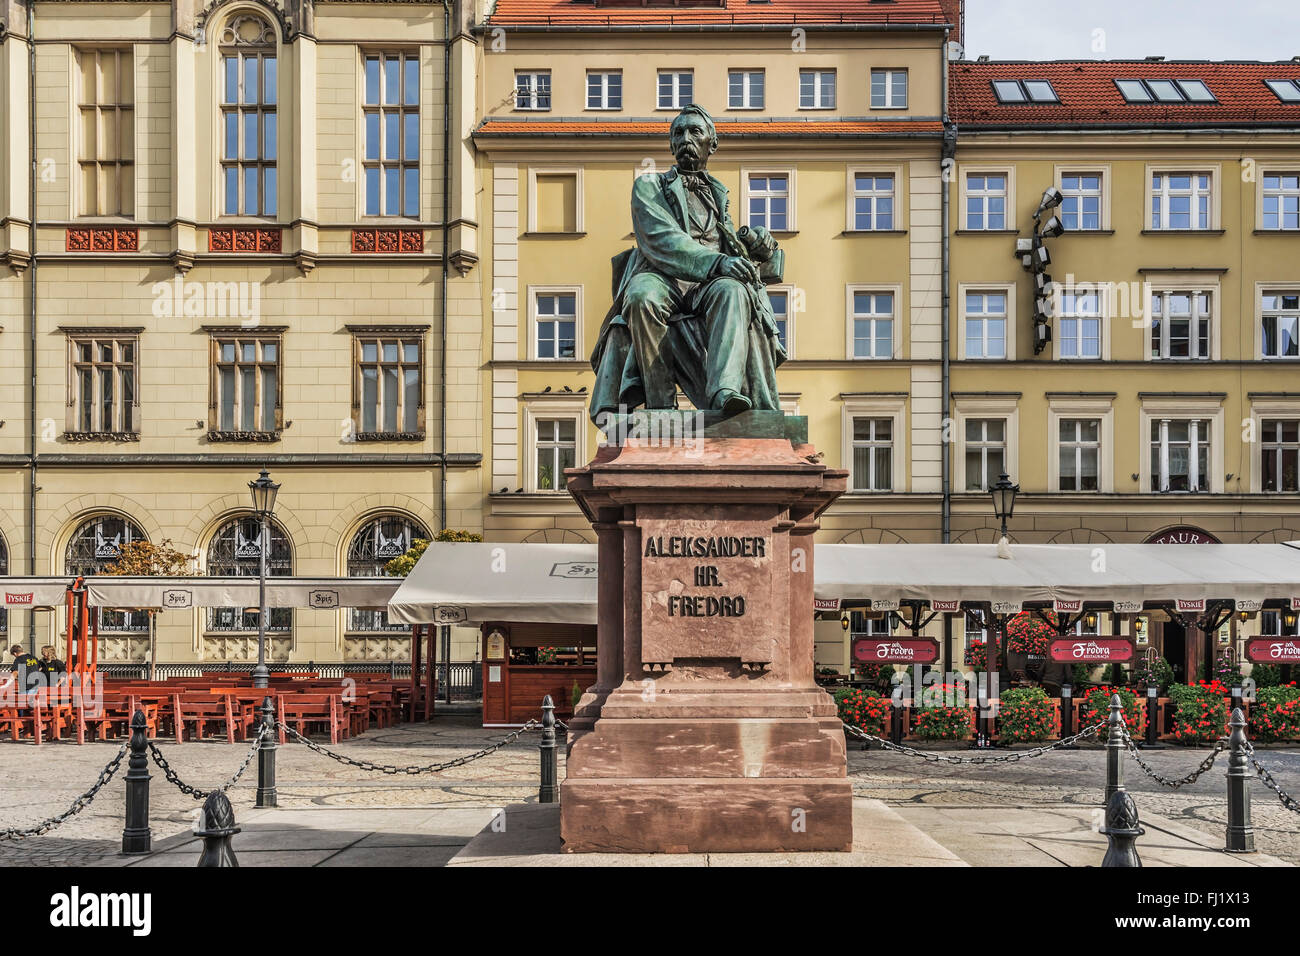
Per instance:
x=691, y=547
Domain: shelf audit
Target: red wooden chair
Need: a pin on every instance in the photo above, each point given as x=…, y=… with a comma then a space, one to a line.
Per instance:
x=201, y=710
x=304, y=711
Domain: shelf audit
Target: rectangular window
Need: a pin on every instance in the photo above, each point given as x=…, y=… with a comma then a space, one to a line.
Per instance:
x=557, y=323
x=533, y=90
x=986, y=325
x=389, y=389
x=249, y=131
x=873, y=201
x=1180, y=201
x=781, y=312
x=1080, y=325
x=1180, y=454
x=106, y=132
x=246, y=383
x=986, y=452
x=556, y=450
x=986, y=201
x=888, y=89
x=1280, y=314
x=745, y=89
x=873, y=454
x=1180, y=325
x=391, y=115
x=1081, y=205
x=1280, y=455
x=1281, y=198
x=104, y=377
x=1080, y=453
x=816, y=89
x=769, y=201
x=873, y=325
x=605, y=90
x=676, y=89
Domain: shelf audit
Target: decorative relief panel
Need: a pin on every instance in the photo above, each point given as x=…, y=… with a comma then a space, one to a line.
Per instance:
x=388, y=240
x=102, y=239
x=243, y=239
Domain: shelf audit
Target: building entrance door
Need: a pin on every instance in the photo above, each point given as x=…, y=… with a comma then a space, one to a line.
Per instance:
x=1173, y=648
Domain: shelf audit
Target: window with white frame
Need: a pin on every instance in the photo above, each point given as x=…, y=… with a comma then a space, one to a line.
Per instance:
x=873, y=454
x=780, y=300
x=873, y=324
x=106, y=132
x=1081, y=201
x=604, y=89
x=986, y=452
x=533, y=90
x=986, y=201
x=249, y=122
x=389, y=394
x=1279, y=451
x=816, y=89
x=556, y=318
x=676, y=89
x=888, y=89
x=1079, y=325
x=246, y=385
x=1180, y=325
x=391, y=113
x=1281, y=200
x=873, y=201
x=555, y=449
x=1180, y=454
x=986, y=325
x=103, y=399
x=1079, y=451
x=1280, y=315
x=746, y=89
x=769, y=201
x=1180, y=201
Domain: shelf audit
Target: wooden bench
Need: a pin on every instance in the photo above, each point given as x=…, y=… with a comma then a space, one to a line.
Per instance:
x=304, y=711
x=202, y=710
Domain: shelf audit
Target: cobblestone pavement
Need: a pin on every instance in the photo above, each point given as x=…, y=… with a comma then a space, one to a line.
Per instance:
x=41, y=783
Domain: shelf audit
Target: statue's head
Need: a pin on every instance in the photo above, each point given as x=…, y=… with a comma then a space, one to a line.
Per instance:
x=693, y=137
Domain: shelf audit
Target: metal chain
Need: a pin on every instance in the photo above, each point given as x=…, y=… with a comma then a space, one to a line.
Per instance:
x=1219, y=747
x=510, y=738
x=982, y=759
x=195, y=792
x=105, y=775
x=560, y=725
x=1288, y=801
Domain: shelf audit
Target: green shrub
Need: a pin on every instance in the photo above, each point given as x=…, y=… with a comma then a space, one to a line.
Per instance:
x=1096, y=710
x=1160, y=671
x=1201, y=714
x=1266, y=675
x=1026, y=714
x=942, y=723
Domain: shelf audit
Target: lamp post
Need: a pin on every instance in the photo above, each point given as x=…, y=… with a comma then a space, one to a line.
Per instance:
x=263, y=491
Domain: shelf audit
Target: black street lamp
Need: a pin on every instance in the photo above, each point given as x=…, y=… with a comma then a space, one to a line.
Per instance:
x=263, y=491
x=1004, y=505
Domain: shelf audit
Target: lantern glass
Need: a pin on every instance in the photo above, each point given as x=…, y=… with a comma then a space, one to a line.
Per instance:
x=1004, y=497
x=263, y=491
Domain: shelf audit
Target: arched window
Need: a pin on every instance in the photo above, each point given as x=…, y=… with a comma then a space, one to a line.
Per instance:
x=92, y=550
x=236, y=551
x=249, y=130
x=378, y=542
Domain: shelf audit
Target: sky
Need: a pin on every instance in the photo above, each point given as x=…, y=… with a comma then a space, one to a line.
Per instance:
x=1133, y=29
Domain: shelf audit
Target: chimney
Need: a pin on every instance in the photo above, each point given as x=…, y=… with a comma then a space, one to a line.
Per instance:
x=954, y=12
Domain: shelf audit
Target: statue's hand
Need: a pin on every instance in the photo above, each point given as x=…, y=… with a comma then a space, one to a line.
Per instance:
x=740, y=269
x=761, y=245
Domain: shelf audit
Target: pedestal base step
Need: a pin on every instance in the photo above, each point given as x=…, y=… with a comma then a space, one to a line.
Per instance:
x=706, y=815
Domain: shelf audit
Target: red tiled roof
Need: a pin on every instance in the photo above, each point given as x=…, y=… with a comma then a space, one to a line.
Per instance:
x=795, y=128
x=562, y=13
x=1089, y=96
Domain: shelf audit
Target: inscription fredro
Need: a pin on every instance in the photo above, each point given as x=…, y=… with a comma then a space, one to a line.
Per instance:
x=708, y=595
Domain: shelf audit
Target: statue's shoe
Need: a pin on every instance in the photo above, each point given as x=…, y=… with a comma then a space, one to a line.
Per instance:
x=734, y=403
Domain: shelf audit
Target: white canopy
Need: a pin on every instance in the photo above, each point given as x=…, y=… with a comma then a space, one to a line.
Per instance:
x=554, y=583
x=183, y=592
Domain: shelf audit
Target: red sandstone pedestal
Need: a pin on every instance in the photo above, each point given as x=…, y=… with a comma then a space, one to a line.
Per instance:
x=705, y=730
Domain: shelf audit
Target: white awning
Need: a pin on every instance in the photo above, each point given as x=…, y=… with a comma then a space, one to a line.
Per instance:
x=183, y=592
x=461, y=582
x=556, y=583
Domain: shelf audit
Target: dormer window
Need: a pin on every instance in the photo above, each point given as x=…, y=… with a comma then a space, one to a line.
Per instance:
x=1288, y=91
x=1165, y=91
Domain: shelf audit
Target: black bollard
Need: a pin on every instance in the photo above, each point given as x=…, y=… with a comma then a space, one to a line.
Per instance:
x=136, y=837
x=1122, y=831
x=266, y=793
x=1241, y=835
x=549, y=791
x=1153, y=714
x=896, y=717
x=1115, y=749
x=218, y=826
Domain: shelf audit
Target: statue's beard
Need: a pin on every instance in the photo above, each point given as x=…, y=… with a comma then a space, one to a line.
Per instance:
x=689, y=160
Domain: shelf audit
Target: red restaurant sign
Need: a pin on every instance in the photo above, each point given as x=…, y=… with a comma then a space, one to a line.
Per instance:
x=1091, y=649
x=1273, y=650
x=914, y=650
